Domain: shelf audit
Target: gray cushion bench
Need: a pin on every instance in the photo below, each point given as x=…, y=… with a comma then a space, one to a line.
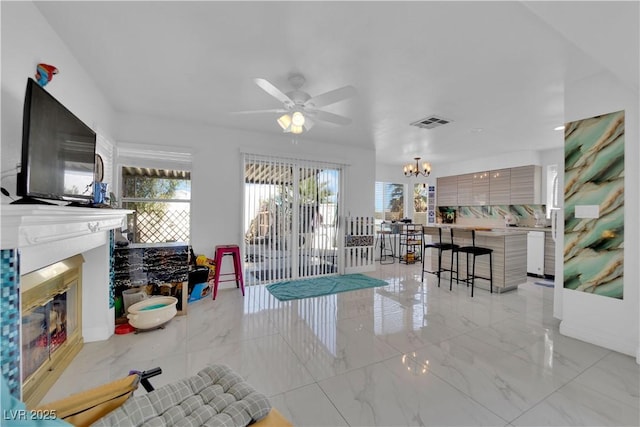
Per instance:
x=216, y=396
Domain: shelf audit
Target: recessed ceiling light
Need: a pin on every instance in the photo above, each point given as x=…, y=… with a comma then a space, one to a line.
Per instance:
x=559, y=128
x=476, y=130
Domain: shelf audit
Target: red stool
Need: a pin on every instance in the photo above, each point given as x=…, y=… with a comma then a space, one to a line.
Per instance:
x=221, y=251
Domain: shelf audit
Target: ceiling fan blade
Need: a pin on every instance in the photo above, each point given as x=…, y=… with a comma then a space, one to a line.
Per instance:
x=329, y=117
x=273, y=110
x=274, y=91
x=308, y=123
x=331, y=97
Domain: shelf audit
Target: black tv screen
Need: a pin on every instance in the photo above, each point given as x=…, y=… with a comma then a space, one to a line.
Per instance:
x=58, y=150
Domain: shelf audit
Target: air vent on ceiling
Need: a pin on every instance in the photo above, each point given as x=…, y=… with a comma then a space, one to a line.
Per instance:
x=431, y=122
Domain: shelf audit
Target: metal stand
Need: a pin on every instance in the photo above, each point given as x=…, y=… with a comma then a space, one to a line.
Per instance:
x=387, y=248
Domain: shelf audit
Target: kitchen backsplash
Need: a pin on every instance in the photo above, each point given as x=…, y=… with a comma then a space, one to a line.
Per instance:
x=493, y=215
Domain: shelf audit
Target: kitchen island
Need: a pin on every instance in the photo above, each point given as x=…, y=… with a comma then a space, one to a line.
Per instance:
x=509, y=258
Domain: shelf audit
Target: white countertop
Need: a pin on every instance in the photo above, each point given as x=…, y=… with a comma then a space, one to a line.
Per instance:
x=499, y=233
x=496, y=228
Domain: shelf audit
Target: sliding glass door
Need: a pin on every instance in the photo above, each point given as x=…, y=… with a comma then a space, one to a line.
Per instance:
x=291, y=211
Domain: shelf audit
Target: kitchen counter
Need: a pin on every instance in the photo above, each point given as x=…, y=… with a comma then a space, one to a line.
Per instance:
x=497, y=232
x=545, y=229
x=495, y=228
x=509, y=247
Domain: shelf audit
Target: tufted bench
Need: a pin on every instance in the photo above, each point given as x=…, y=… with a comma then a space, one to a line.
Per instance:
x=216, y=396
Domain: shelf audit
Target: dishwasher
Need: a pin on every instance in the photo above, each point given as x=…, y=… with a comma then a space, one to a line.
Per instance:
x=535, y=253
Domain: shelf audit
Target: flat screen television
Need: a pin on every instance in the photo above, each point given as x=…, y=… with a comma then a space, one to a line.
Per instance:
x=58, y=151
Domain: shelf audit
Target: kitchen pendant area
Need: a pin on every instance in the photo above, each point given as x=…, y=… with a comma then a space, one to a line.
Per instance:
x=505, y=200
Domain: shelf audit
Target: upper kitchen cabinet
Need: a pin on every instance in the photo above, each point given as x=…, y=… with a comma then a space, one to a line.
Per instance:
x=525, y=185
x=480, y=188
x=447, y=191
x=465, y=190
x=509, y=186
x=500, y=187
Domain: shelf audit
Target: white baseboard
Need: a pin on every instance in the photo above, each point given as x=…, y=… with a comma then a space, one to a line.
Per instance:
x=602, y=338
x=96, y=334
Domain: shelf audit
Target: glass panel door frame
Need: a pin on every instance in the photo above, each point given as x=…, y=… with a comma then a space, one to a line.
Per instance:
x=290, y=210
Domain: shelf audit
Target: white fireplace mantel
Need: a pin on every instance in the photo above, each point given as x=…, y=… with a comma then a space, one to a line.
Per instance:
x=44, y=235
x=31, y=225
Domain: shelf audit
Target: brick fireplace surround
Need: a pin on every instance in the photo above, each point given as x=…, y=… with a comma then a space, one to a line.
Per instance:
x=36, y=236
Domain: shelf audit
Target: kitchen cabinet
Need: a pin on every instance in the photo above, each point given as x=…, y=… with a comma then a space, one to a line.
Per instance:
x=549, y=255
x=465, y=190
x=500, y=187
x=481, y=188
x=509, y=186
x=525, y=185
x=447, y=191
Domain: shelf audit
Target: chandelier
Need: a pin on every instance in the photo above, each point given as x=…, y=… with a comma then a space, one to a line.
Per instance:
x=414, y=170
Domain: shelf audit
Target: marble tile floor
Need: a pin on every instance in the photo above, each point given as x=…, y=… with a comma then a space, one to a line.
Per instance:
x=405, y=354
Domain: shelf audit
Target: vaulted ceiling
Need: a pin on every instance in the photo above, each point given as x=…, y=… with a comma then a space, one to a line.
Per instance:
x=496, y=69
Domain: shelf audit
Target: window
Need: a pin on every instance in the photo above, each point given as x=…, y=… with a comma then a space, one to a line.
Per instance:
x=161, y=200
x=420, y=198
x=389, y=201
x=421, y=203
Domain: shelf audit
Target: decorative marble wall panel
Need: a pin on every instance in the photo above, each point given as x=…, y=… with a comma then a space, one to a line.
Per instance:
x=10, y=320
x=594, y=176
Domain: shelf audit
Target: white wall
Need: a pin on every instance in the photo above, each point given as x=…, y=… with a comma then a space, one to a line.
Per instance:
x=27, y=39
x=216, y=178
x=609, y=322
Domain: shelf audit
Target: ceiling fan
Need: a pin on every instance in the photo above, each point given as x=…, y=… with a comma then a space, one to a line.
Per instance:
x=300, y=109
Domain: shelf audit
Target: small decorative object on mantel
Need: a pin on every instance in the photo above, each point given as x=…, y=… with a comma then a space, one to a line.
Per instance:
x=44, y=73
x=98, y=172
x=100, y=193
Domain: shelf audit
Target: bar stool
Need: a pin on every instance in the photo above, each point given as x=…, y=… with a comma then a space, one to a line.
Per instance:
x=220, y=252
x=473, y=250
x=436, y=242
x=384, y=236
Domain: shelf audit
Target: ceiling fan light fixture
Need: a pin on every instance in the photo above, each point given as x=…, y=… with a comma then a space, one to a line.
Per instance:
x=298, y=119
x=308, y=123
x=299, y=105
x=285, y=121
x=296, y=129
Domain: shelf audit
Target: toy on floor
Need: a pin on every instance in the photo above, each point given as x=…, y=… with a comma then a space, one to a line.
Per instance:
x=206, y=262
